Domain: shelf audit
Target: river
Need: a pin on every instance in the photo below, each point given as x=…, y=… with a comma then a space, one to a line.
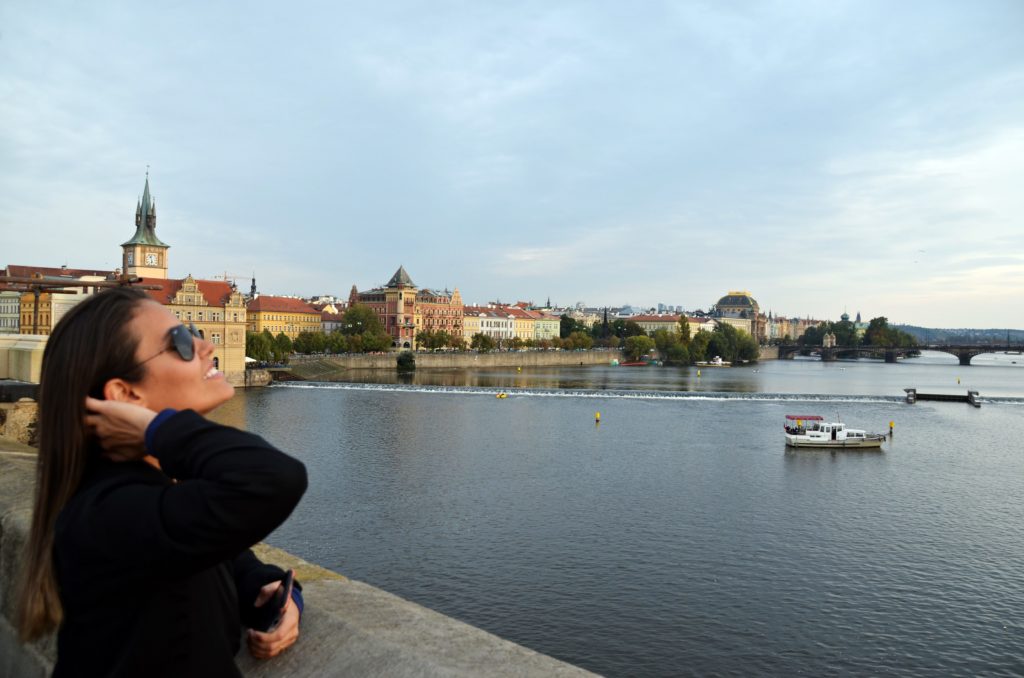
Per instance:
x=679, y=536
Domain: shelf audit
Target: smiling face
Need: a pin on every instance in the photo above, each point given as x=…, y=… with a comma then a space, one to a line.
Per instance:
x=170, y=381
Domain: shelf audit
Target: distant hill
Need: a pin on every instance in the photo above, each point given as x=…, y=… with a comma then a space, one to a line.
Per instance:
x=929, y=335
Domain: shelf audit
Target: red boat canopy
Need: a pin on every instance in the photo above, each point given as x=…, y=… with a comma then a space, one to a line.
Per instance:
x=804, y=417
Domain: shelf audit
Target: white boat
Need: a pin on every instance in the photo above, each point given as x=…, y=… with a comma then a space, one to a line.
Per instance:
x=813, y=431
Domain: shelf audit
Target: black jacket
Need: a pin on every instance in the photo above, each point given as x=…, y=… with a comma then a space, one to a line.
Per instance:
x=152, y=571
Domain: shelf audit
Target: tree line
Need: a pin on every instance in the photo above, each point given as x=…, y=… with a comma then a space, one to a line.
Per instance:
x=878, y=334
x=361, y=331
x=674, y=346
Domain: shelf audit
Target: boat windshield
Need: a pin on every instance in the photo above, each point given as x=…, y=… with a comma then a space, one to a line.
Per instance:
x=801, y=423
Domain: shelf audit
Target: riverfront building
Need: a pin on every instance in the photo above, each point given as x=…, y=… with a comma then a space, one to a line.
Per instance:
x=740, y=310
x=286, y=315
x=406, y=310
x=495, y=322
x=10, y=309
x=39, y=316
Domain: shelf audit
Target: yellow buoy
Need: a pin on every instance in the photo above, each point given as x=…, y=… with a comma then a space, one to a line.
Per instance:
x=892, y=425
x=501, y=395
x=698, y=373
x=597, y=417
x=519, y=369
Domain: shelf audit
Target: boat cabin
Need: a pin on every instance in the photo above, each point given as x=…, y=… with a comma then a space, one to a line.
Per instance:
x=799, y=424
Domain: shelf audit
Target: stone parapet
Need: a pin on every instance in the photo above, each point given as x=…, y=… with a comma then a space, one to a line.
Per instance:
x=18, y=421
x=21, y=356
x=348, y=628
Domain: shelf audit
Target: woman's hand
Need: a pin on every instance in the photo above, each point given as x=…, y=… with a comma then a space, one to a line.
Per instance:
x=119, y=426
x=270, y=644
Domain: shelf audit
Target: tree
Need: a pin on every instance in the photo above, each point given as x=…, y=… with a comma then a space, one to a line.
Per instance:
x=747, y=348
x=684, y=329
x=361, y=319
x=375, y=342
x=406, y=361
x=578, y=340
x=881, y=335
x=337, y=342
x=568, y=325
x=638, y=346
x=663, y=340
x=310, y=342
x=281, y=346
x=632, y=329
x=483, y=343
x=677, y=354
x=699, y=346
x=258, y=346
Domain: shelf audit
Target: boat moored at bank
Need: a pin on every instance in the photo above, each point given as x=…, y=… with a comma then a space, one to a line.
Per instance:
x=813, y=431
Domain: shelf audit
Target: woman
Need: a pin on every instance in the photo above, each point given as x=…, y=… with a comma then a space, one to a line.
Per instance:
x=144, y=510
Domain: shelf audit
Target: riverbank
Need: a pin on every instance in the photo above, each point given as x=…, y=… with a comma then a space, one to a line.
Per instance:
x=326, y=368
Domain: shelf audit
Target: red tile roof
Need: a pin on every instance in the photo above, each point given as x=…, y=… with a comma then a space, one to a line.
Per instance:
x=216, y=292
x=654, y=319
x=280, y=305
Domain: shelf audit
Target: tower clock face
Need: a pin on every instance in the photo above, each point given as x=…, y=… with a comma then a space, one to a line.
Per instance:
x=151, y=260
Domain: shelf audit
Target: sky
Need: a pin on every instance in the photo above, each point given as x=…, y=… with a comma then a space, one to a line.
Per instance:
x=826, y=156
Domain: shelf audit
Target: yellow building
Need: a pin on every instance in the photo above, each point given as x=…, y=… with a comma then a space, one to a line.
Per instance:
x=470, y=323
x=546, y=326
x=652, y=323
x=524, y=322
x=217, y=309
x=282, y=314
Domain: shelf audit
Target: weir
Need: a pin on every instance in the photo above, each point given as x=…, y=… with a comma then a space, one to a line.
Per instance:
x=348, y=628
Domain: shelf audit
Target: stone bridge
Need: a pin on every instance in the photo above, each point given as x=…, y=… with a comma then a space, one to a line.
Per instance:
x=964, y=352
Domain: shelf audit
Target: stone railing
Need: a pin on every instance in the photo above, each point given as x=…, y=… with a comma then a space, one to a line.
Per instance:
x=21, y=356
x=348, y=628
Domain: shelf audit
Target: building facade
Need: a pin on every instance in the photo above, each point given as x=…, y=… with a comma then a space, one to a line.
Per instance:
x=285, y=315
x=738, y=306
x=652, y=323
x=405, y=310
x=39, y=315
x=217, y=309
x=10, y=310
x=490, y=321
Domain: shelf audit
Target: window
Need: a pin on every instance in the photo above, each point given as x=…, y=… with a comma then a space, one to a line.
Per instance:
x=215, y=338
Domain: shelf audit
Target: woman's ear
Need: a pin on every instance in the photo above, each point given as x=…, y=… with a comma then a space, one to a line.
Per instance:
x=121, y=391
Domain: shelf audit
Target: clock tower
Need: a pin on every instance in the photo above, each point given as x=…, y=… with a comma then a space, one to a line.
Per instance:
x=145, y=255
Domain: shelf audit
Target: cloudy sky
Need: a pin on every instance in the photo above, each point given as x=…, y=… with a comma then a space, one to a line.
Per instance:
x=866, y=156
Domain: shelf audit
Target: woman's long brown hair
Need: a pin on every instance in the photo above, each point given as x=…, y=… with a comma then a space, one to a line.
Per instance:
x=90, y=345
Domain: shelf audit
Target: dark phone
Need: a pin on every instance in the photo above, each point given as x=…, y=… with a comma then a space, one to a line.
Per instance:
x=269, y=615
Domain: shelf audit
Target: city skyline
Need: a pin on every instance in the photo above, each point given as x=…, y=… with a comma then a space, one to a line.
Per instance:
x=849, y=157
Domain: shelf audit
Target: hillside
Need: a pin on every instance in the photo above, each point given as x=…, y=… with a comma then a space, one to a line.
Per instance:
x=930, y=335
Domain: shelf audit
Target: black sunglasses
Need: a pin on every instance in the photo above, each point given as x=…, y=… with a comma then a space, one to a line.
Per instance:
x=181, y=341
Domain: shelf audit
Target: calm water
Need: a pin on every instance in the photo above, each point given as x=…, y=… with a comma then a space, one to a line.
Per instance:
x=680, y=536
